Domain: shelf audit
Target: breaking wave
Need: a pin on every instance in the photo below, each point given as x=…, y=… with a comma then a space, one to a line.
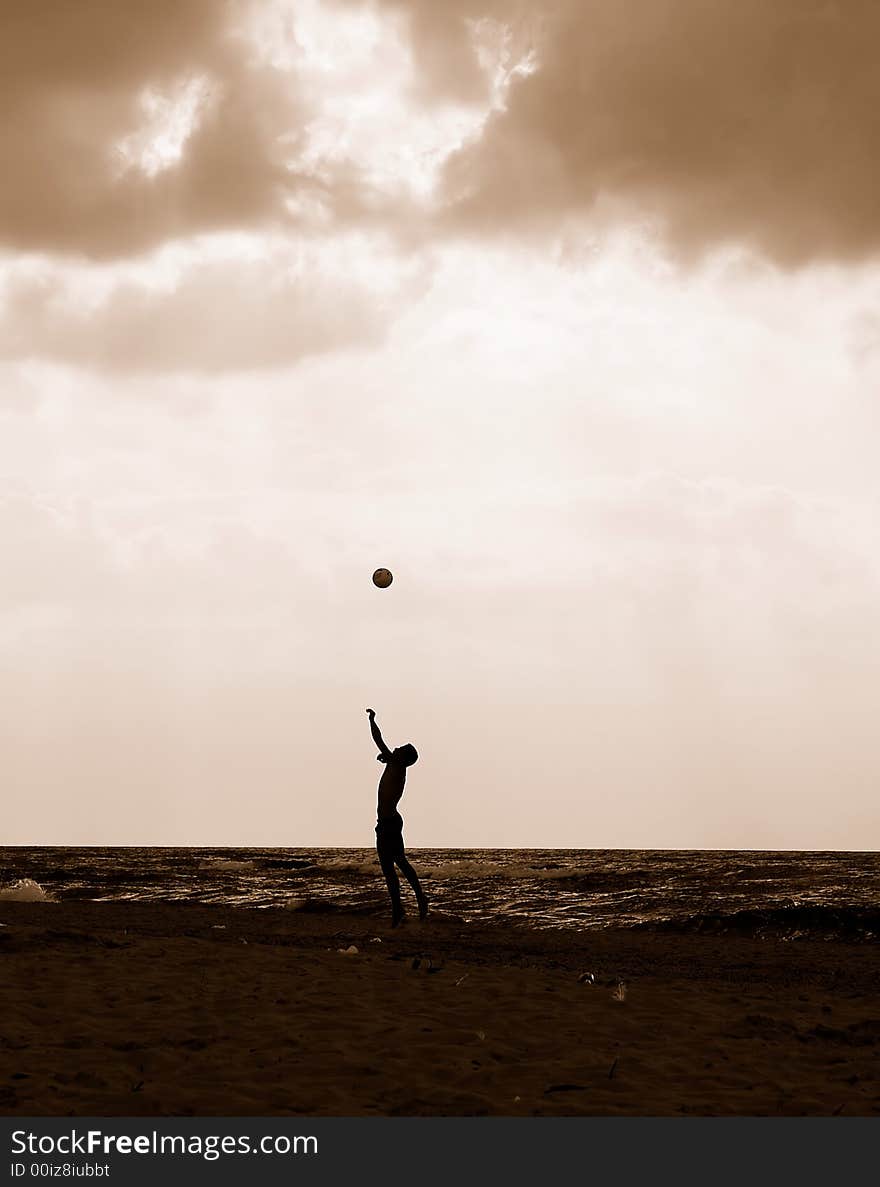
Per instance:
x=25, y=890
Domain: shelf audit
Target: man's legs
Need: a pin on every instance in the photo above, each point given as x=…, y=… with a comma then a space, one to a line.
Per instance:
x=387, y=863
x=411, y=877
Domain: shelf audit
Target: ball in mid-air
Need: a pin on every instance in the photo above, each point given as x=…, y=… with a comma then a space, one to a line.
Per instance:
x=382, y=578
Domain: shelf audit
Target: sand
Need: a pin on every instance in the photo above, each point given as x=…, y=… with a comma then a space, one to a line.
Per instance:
x=152, y=1009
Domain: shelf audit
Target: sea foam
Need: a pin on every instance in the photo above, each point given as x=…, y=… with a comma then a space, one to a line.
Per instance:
x=25, y=890
x=226, y=863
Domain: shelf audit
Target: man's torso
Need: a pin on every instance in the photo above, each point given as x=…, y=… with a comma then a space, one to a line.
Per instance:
x=391, y=787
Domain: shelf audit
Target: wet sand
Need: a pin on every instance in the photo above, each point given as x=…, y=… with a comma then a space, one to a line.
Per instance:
x=152, y=1009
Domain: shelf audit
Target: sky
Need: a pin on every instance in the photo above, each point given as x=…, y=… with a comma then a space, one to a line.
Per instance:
x=567, y=313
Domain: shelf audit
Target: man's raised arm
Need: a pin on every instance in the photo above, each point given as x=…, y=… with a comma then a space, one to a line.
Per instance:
x=384, y=752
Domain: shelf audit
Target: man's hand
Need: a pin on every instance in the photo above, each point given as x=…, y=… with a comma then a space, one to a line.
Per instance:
x=371, y=713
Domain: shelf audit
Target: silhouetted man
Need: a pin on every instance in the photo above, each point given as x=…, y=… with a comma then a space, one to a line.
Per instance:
x=389, y=825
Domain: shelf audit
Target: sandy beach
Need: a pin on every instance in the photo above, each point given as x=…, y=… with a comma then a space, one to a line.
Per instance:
x=149, y=1009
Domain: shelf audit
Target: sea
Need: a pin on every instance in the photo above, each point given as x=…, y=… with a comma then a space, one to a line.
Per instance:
x=787, y=894
x=830, y=895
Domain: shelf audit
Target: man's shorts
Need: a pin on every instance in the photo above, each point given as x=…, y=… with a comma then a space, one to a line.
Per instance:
x=389, y=836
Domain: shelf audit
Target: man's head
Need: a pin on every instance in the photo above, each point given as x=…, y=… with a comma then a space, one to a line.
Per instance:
x=406, y=754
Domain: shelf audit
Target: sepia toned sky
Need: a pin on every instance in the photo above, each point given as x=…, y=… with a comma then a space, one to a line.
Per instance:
x=566, y=312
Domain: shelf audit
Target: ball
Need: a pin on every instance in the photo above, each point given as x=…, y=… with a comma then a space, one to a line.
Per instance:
x=382, y=578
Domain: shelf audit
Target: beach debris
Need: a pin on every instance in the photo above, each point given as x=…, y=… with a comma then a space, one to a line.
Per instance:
x=376, y=940
x=218, y=927
x=351, y=950
x=619, y=994
x=517, y=1098
x=611, y=1069
x=587, y=979
x=137, y=1087
x=565, y=1088
x=242, y=940
x=481, y=1035
x=425, y=962
x=462, y=978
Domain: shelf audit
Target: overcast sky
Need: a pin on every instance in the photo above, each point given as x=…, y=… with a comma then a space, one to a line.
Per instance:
x=566, y=312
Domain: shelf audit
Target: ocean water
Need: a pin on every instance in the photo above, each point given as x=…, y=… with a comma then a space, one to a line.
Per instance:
x=833, y=895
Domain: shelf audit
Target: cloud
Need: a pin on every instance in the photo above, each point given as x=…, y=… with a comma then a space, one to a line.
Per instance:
x=83, y=85
x=442, y=39
x=715, y=122
x=222, y=305
x=129, y=125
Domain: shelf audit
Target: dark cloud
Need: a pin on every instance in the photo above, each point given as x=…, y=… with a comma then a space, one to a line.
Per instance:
x=71, y=81
x=442, y=39
x=716, y=120
x=752, y=121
